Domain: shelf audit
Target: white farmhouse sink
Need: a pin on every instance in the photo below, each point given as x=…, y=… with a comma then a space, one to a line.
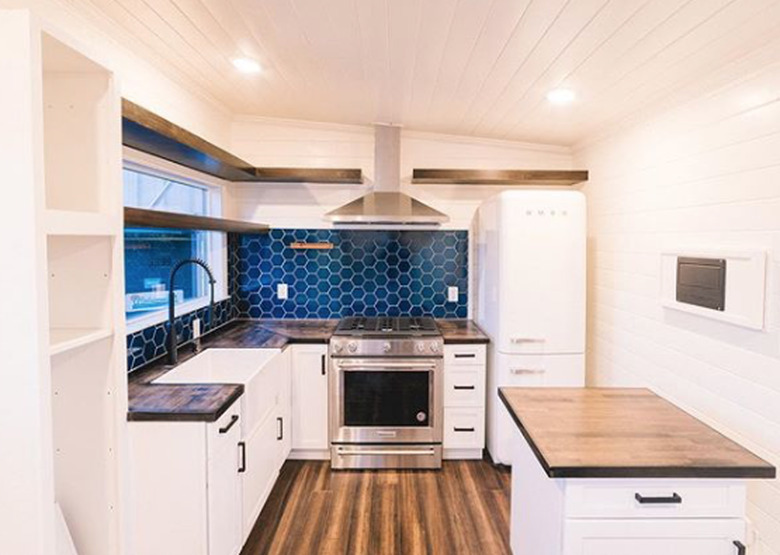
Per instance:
x=229, y=366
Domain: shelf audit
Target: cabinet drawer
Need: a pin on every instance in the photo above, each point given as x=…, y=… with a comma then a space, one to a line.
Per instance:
x=655, y=499
x=653, y=537
x=226, y=431
x=464, y=387
x=464, y=428
x=463, y=355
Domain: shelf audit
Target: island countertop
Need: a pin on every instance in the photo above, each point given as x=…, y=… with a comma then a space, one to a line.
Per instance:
x=206, y=402
x=623, y=433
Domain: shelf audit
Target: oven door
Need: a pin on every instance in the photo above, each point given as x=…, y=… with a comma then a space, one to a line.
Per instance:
x=379, y=401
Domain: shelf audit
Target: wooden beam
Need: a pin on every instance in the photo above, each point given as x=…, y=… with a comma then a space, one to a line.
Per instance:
x=138, y=217
x=498, y=177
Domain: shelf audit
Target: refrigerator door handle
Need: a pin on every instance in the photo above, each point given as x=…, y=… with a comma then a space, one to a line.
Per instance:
x=527, y=370
x=527, y=340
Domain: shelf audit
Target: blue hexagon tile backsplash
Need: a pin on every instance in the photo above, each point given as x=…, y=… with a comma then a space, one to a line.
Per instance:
x=365, y=273
x=387, y=273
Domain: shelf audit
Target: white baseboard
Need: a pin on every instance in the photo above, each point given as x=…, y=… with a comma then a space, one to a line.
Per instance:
x=462, y=454
x=309, y=455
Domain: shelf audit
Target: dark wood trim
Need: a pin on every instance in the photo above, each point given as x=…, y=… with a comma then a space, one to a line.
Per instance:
x=308, y=175
x=138, y=217
x=146, y=131
x=498, y=177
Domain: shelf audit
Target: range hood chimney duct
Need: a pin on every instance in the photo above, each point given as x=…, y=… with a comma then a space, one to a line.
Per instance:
x=387, y=204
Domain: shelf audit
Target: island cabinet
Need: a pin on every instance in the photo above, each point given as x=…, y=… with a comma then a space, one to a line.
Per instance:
x=622, y=471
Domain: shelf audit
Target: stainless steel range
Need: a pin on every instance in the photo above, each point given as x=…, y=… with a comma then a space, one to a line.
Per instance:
x=386, y=387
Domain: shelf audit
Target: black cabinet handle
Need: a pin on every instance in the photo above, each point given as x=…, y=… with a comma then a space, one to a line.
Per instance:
x=463, y=429
x=675, y=499
x=242, y=463
x=323, y=365
x=465, y=355
x=280, y=428
x=226, y=429
x=463, y=387
x=741, y=549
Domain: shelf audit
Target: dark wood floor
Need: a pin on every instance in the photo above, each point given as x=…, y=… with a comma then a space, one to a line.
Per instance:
x=464, y=508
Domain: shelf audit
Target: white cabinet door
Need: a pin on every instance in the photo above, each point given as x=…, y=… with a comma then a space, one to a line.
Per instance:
x=259, y=463
x=224, y=485
x=284, y=412
x=653, y=537
x=310, y=397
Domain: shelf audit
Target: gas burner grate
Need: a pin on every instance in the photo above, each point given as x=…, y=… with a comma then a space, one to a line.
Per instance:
x=384, y=325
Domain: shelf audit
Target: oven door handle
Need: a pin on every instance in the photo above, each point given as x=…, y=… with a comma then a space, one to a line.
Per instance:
x=357, y=452
x=386, y=365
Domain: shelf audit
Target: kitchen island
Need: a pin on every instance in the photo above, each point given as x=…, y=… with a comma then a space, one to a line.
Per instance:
x=618, y=471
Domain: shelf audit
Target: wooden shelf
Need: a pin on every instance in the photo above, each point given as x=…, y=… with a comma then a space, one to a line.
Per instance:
x=498, y=177
x=65, y=339
x=308, y=175
x=67, y=222
x=146, y=131
x=138, y=217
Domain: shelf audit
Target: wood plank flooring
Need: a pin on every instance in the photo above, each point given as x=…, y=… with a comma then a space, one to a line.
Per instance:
x=462, y=509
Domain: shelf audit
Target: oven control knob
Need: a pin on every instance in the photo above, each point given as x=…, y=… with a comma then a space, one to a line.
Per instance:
x=434, y=348
x=338, y=347
x=352, y=347
x=420, y=347
x=386, y=347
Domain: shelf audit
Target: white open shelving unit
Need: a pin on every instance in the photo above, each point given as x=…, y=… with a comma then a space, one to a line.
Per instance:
x=72, y=208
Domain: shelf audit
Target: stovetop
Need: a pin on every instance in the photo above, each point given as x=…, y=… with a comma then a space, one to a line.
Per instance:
x=361, y=326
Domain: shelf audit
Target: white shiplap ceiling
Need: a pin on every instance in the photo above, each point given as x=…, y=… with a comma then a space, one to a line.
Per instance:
x=467, y=67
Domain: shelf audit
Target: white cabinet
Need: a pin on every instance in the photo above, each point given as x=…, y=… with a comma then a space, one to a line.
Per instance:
x=310, y=402
x=262, y=450
x=464, y=401
x=199, y=487
x=185, y=485
x=600, y=516
x=224, y=485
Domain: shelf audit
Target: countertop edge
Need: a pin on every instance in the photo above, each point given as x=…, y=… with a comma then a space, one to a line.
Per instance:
x=188, y=416
x=637, y=472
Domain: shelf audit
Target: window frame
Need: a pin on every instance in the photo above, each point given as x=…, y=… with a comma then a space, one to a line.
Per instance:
x=137, y=161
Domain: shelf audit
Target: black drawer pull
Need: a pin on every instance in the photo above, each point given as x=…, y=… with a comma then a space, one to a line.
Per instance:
x=463, y=429
x=675, y=499
x=226, y=429
x=280, y=428
x=323, y=365
x=741, y=549
x=463, y=387
x=242, y=464
x=465, y=355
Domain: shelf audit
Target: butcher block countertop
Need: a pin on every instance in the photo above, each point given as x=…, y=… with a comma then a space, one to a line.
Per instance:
x=623, y=433
x=207, y=402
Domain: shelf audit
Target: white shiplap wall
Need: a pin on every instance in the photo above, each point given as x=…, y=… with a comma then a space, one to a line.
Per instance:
x=271, y=142
x=706, y=173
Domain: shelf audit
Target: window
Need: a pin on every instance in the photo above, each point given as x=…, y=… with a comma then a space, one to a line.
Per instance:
x=151, y=253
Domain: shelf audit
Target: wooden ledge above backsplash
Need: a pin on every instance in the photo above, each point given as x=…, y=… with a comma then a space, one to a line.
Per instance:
x=498, y=177
x=146, y=131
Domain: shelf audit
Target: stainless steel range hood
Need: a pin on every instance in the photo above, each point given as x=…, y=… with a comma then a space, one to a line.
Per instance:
x=387, y=205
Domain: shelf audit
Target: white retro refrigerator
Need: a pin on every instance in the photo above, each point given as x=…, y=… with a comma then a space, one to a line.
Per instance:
x=530, y=285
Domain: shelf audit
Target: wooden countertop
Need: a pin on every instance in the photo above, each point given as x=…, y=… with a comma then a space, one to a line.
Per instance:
x=623, y=433
x=179, y=402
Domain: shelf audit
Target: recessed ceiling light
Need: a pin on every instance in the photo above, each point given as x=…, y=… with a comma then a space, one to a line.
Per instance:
x=246, y=65
x=561, y=96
